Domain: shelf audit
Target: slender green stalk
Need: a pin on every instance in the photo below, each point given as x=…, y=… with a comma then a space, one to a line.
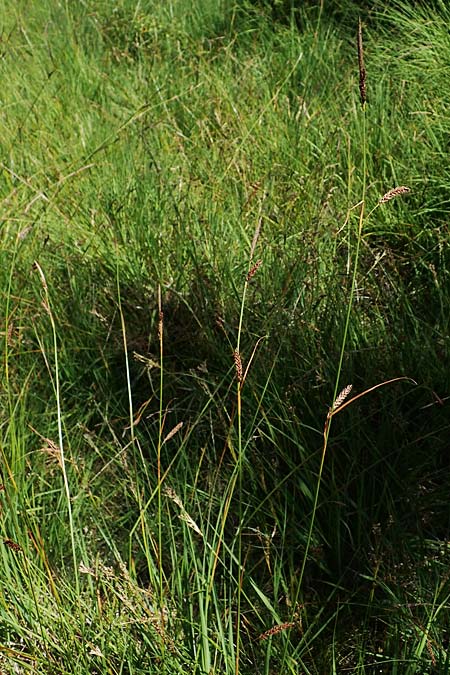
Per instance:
x=238, y=363
x=160, y=440
x=240, y=378
x=6, y=350
x=56, y=381
x=350, y=303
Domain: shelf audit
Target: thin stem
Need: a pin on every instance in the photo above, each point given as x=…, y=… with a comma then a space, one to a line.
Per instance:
x=239, y=470
x=328, y=422
x=160, y=434
x=239, y=383
x=56, y=385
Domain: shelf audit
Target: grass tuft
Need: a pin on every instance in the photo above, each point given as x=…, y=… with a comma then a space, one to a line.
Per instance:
x=195, y=261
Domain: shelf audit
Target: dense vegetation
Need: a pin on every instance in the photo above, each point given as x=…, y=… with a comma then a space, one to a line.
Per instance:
x=195, y=263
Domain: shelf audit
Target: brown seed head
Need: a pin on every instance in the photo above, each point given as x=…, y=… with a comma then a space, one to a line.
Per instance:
x=172, y=433
x=161, y=325
x=13, y=545
x=276, y=629
x=253, y=270
x=238, y=364
x=341, y=398
x=395, y=192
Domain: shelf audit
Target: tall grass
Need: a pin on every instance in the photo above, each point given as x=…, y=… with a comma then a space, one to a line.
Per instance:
x=200, y=189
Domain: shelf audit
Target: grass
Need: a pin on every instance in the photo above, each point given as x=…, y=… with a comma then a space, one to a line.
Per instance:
x=162, y=512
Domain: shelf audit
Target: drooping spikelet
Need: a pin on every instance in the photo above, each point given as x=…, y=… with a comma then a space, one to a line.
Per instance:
x=395, y=192
x=341, y=397
x=172, y=432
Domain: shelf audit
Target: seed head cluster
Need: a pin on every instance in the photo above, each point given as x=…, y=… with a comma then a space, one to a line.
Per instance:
x=395, y=192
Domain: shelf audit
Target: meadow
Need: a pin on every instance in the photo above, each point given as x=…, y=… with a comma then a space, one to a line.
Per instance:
x=225, y=292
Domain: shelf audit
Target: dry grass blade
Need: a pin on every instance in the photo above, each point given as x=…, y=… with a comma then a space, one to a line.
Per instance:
x=52, y=450
x=244, y=377
x=42, y=276
x=255, y=238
